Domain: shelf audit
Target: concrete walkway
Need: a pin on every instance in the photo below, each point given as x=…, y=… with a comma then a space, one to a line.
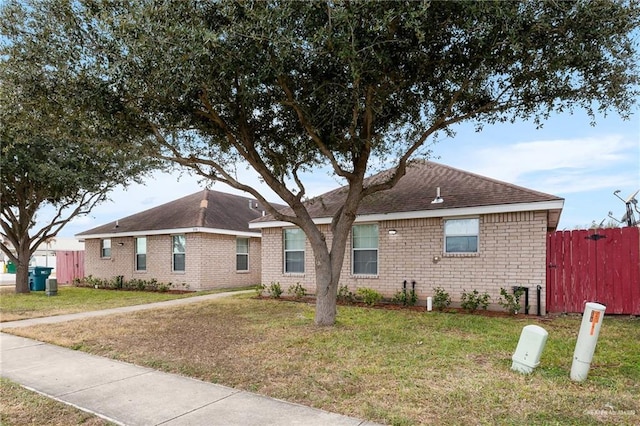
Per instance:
x=127, y=394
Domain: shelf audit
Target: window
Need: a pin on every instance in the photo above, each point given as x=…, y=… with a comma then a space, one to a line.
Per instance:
x=294, y=240
x=365, y=249
x=461, y=235
x=105, y=248
x=179, y=242
x=141, y=254
x=242, y=254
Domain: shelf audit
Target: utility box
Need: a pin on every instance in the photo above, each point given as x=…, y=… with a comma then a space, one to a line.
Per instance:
x=51, y=287
x=529, y=349
x=587, y=339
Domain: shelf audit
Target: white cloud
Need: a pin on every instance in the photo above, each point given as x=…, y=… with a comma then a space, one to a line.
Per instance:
x=559, y=165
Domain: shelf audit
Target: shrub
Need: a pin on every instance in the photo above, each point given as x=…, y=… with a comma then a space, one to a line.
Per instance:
x=274, y=290
x=260, y=288
x=118, y=283
x=369, y=296
x=441, y=299
x=474, y=300
x=511, y=302
x=406, y=297
x=345, y=295
x=297, y=290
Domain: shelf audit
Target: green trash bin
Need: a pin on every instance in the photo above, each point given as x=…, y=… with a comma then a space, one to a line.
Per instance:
x=38, y=277
x=11, y=268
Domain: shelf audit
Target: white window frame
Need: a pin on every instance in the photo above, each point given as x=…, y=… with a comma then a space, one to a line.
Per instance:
x=240, y=254
x=105, y=248
x=453, y=234
x=293, y=250
x=370, y=248
x=138, y=254
x=174, y=253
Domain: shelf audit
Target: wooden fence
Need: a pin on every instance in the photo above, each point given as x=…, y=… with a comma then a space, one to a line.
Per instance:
x=69, y=265
x=601, y=265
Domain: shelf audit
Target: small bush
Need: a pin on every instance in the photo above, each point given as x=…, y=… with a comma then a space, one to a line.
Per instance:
x=274, y=290
x=260, y=288
x=345, y=295
x=511, y=302
x=474, y=300
x=369, y=296
x=297, y=290
x=406, y=297
x=118, y=283
x=441, y=299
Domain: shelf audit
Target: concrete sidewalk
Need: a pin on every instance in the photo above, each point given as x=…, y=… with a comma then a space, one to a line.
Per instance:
x=127, y=394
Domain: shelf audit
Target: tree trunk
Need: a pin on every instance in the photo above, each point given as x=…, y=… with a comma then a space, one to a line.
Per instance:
x=326, y=295
x=328, y=270
x=22, y=269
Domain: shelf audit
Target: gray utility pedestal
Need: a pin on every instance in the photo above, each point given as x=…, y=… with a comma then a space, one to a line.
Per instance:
x=51, y=287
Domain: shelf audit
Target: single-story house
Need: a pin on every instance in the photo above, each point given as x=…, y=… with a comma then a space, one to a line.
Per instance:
x=438, y=227
x=202, y=240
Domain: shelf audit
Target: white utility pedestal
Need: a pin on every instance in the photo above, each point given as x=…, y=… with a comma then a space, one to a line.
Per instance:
x=587, y=339
x=529, y=349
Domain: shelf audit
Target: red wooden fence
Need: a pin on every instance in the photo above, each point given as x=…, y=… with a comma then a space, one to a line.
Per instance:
x=601, y=265
x=69, y=265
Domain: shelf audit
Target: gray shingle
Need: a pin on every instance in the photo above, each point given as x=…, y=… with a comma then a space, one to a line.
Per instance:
x=203, y=209
x=416, y=190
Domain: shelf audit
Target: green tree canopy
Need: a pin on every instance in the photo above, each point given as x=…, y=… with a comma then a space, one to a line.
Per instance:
x=54, y=151
x=291, y=86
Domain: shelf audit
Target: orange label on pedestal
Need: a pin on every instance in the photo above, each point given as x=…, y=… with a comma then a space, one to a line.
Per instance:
x=595, y=317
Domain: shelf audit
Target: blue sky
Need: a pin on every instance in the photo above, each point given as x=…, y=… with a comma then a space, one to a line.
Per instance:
x=567, y=157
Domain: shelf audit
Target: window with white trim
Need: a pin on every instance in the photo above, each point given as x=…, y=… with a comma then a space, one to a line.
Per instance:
x=294, y=240
x=141, y=254
x=179, y=252
x=364, y=242
x=105, y=248
x=461, y=235
x=242, y=254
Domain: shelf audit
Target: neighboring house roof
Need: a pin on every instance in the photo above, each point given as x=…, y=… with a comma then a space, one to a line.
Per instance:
x=204, y=211
x=463, y=193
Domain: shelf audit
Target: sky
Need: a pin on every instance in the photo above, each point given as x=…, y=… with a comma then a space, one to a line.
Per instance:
x=567, y=157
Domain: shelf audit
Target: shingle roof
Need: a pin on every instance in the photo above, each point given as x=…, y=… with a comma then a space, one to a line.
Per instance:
x=203, y=209
x=417, y=189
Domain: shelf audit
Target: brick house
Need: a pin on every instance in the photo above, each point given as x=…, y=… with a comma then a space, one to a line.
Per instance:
x=202, y=240
x=438, y=227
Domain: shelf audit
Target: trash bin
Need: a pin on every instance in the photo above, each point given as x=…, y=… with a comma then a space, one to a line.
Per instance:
x=38, y=277
x=11, y=268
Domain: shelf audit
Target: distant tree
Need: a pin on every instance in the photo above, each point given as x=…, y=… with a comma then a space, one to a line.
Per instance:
x=288, y=87
x=54, y=152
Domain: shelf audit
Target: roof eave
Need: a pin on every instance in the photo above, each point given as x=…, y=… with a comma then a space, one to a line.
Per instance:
x=446, y=212
x=169, y=232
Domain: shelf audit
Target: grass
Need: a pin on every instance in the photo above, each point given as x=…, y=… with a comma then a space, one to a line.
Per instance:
x=23, y=407
x=395, y=367
x=71, y=300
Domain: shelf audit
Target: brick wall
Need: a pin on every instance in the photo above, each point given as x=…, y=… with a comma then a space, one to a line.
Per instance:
x=210, y=261
x=512, y=252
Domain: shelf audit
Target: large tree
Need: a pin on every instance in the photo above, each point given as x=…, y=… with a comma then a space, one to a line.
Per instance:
x=288, y=87
x=56, y=154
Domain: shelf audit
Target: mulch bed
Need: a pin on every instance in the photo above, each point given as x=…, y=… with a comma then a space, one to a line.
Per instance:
x=417, y=308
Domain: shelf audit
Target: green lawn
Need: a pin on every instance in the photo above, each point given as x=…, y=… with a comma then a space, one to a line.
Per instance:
x=395, y=367
x=71, y=299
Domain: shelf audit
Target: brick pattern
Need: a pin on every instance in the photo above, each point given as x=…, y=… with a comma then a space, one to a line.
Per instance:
x=512, y=253
x=210, y=261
